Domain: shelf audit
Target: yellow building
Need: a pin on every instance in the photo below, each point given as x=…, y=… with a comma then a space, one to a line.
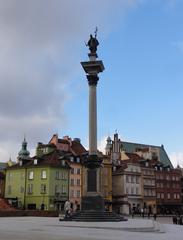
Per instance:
x=106, y=182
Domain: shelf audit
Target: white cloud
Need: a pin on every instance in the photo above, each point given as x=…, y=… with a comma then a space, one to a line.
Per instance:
x=40, y=44
x=102, y=143
x=176, y=158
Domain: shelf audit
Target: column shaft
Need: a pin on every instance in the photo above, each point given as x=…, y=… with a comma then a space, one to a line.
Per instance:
x=92, y=120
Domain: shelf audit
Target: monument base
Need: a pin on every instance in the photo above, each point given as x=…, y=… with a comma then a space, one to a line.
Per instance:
x=92, y=203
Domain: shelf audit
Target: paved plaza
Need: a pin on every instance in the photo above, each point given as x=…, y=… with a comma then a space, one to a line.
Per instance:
x=29, y=228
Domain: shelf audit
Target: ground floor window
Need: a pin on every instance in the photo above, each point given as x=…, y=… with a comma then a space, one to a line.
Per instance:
x=31, y=206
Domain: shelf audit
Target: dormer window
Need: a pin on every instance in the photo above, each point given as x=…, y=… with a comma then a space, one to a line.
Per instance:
x=30, y=175
x=78, y=160
x=71, y=159
x=63, y=163
x=43, y=174
x=114, y=169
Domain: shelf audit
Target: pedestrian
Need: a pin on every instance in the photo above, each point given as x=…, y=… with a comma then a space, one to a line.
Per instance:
x=154, y=213
x=67, y=208
x=181, y=221
x=174, y=219
x=142, y=212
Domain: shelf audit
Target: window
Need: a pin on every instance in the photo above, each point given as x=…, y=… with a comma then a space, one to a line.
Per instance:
x=137, y=190
x=64, y=175
x=127, y=190
x=30, y=175
x=43, y=174
x=35, y=161
x=78, y=160
x=72, y=193
x=145, y=192
x=78, y=193
x=168, y=195
x=137, y=179
x=30, y=189
x=57, y=174
x=149, y=192
x=162, y=195
x=61, y=175
x=57, y=189
x=72, y=159
x=132, y=190
x=9, y=189
x=72, y=170
x=9, y=176
x=78, y=171
x=72, y=182
x=158, y=195
x=63, y=189
x=78, y=182
x=22, y=176
x=153, y=193
x=21, y=189
x=178, y=196
x=127, y=179
x=43, y=188
x=63, y=162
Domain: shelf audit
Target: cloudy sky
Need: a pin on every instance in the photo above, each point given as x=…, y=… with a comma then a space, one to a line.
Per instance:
x=43, y=89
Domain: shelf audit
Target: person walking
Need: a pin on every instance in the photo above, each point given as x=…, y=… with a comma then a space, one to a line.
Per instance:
x=67, y=208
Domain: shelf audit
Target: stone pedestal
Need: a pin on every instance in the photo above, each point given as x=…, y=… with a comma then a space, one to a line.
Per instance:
x=93, y=203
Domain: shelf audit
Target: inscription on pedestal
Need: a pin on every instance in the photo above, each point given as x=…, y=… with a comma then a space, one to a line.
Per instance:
x=92, y=180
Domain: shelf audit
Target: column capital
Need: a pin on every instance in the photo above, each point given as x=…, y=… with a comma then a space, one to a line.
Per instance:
x=92, y=79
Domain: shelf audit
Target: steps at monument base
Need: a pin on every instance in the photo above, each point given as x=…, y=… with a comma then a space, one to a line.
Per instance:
x=94, y=216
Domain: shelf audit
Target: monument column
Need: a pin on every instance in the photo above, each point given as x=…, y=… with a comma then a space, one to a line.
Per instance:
x=92, y=81
x=92, y=199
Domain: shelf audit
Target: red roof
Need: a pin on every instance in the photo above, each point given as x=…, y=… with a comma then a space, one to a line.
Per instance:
x=78, y=148
x=66, y=144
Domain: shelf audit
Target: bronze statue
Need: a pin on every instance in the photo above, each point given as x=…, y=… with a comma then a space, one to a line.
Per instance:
x=93, y=43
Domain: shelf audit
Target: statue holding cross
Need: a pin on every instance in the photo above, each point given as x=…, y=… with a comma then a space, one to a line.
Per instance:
x=93, y=43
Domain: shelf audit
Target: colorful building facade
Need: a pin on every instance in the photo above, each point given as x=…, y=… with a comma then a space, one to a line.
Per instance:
x=41, y=182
